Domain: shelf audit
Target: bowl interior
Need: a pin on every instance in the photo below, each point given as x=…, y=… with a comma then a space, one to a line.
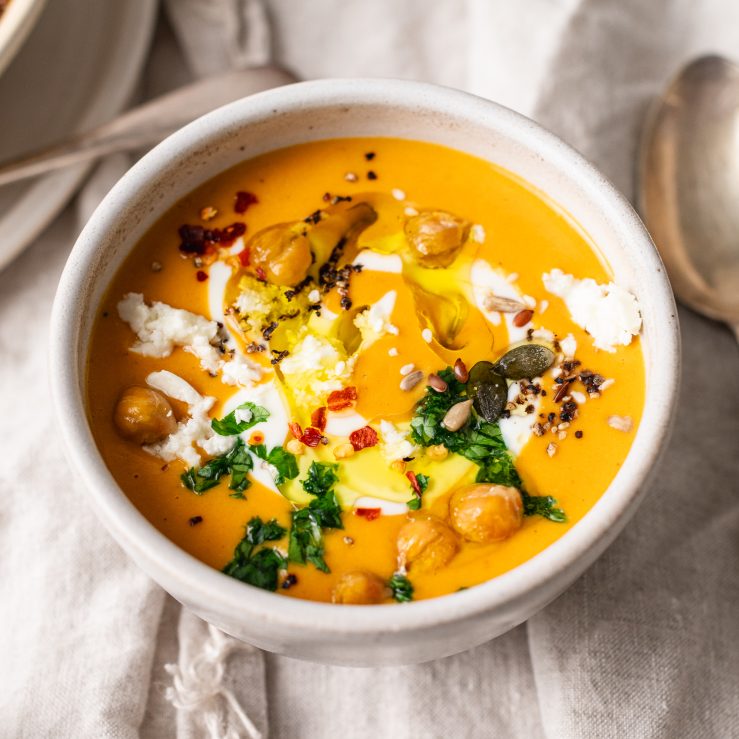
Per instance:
x=343, y=108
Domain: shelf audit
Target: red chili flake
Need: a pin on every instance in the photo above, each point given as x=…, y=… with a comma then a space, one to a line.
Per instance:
x=295, y=430
x=229, y=234
x=261, y=274
x=311, y=437
x=201, y=276
x=244, y=257
x=244, y=200
x=340, y=399
x=318, y=418
x=414, y=483
x=363, y=438
x=369, y=513
x=256, y=438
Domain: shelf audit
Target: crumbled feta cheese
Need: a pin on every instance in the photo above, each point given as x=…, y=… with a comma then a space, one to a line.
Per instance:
x=477, y=232
x=427, y=336
x=254, y=303
x=243, y=415
x=375, y=321
x=314, y=368
x=240, y=371
x=568, y=346
x=608, y=313
x=311, y=354
x=160, y=328
x=196, y=430
x=398, y=194
x=374, y=261
x=395, y=444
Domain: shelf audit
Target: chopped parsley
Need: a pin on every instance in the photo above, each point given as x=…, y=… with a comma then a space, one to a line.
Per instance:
x=261, y=568
x=248, y=415
x=238, y=462
x=479, y=441
x=283, y=461
x=401, y=587
x=419, y=483
x=323, y=512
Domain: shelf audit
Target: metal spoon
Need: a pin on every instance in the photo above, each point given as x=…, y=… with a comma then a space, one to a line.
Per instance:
x=689, y=185
x=148, y=123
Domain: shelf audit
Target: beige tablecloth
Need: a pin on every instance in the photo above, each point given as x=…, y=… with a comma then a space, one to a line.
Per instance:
x=646, y=644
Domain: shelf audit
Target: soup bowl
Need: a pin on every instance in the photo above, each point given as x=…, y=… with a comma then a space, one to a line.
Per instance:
x=378, y=634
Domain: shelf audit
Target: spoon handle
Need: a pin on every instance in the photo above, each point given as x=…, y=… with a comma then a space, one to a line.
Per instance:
x=148, y=123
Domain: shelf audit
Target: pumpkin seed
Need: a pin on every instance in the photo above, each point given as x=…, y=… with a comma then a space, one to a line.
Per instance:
x=488, y=390
x=525, y=362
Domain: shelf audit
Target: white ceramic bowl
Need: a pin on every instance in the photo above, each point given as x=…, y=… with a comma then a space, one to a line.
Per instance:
x=15, y=24
x=363, y=635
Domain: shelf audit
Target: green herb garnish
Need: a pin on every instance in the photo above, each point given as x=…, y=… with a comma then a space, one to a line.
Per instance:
x=237, y=462
x=323, y=512
x=401, y=587
x=261, y=568
x=249, y=414
x=421, y=483
x=543, y=505
x=479, y=441
x=282, y=460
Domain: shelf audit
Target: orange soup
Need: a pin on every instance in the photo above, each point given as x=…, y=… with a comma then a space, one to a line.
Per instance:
x=365, y=371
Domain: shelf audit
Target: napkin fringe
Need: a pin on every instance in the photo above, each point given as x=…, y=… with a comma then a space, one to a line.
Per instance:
x=197, y=687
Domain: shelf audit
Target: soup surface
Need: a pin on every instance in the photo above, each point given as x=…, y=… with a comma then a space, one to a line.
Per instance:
x=366, y=371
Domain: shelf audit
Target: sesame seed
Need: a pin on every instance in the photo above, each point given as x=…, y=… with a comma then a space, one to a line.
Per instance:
x=512, y=277
x=351, y=177
x=551, y=449
x=406, y=369
x=410, y=212
x=314, y=296
x=392, y=352
x=478, y=233
x=543, y=306
x=426, y=335
x=398, y=194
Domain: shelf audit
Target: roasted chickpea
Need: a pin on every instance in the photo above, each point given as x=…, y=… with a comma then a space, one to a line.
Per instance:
x=485, y=513
x=359, y=588
x=282, y=252
x=425, y=544
x=144, y=415
x=436, y=237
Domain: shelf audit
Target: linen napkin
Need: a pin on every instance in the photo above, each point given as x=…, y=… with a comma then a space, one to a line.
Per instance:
x=646, y=643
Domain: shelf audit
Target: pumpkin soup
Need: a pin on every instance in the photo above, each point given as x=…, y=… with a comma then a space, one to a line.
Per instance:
x=365, y=371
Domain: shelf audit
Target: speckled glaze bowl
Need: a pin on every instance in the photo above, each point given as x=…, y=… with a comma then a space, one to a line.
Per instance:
x=385, y=634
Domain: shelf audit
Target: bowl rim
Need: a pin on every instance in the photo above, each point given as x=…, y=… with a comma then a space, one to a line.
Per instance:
x=221, y=594
x=16, y=23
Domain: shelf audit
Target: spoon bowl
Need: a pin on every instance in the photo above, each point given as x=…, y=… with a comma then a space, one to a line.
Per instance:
x=689, y=185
